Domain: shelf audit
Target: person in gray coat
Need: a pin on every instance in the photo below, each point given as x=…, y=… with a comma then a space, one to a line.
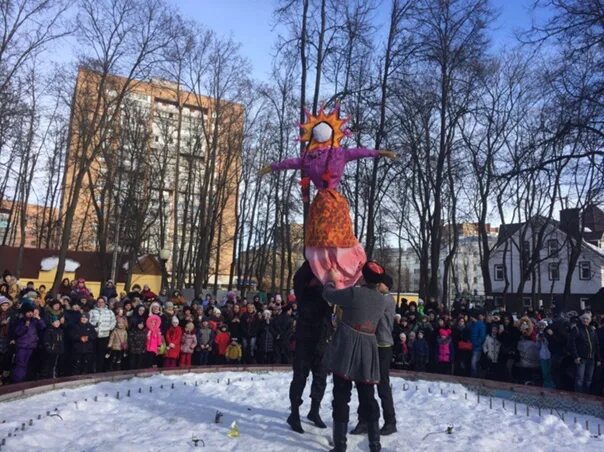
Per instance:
x=352, y=355
x=385, y=344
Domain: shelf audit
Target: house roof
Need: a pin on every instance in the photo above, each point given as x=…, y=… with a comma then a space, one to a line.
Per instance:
x=91, y=266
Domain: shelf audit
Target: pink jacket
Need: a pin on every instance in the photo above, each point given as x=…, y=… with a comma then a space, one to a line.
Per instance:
x=189, y=342
x=154, y=334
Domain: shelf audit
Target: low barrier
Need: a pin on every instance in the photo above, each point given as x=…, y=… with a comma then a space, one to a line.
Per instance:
x=523, y=400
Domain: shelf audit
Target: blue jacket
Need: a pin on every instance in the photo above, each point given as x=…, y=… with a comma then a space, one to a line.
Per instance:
x=478, y=333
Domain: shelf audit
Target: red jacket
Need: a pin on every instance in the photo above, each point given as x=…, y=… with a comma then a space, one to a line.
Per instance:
x=173, y=336
x=222, y=341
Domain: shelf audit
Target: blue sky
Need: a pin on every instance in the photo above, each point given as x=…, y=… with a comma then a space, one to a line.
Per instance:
x=250, y=22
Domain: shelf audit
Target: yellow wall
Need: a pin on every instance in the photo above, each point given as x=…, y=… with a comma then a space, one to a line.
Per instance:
x=47, y=278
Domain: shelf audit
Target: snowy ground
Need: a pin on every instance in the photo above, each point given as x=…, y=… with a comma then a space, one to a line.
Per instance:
x=168, y=418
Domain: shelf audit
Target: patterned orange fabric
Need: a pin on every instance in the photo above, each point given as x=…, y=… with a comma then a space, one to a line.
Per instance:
x=329, y=224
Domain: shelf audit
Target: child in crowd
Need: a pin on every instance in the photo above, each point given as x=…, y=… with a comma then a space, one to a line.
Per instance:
x=137, y=344
x=118, y=345
x=233, y=352
x=205, y=341
x=189, y=342
x=445, y=351
x=54, y=346
x=421, y=353
x=5, y=356
x=173, y=341
x=491, y=348
x=154, y=338
x=223, y=338
x=82, y=337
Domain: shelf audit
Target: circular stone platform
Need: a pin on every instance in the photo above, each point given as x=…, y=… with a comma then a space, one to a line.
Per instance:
x=169, y=412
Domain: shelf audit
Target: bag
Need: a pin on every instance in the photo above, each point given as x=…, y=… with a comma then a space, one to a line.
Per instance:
x=464, y=346
x=162, y=348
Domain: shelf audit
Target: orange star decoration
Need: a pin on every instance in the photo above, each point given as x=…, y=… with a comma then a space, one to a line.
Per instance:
x=332, y=119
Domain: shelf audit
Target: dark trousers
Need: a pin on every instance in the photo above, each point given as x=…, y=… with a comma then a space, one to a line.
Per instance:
x=308, y=357
x=22, y=356
x=136, y=361
x=82, y=363
x=342, y=389
x=100, y=351
x=51, y=365
x=384, y=390
x=116, y=360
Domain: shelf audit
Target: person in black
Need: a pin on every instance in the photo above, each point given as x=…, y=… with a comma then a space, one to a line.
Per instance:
x=313, y=331
x=584, y=349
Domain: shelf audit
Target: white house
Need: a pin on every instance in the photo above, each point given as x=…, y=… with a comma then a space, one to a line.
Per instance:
x=530, y=262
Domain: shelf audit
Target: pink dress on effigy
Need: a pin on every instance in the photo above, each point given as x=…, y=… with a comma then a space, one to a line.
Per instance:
x=330, y=240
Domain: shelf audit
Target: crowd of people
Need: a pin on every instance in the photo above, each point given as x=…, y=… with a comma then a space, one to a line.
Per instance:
x=71, y=332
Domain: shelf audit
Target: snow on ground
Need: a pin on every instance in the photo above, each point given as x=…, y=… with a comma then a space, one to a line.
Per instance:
x=168, y=419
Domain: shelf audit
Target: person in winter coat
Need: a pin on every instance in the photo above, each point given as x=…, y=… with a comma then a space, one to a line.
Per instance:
x=266, y=339
x=28, y=332
x=65, y=288
x=222, y=341
x=545, y=356
x=491, y=349
x=108, y=291
x=233, y=352
x=421, y=353
x=5, y=320
x=284, y=331
x=205, y=342
x=103, y=320
x=585, y=350
x=189, y=342
x=54, y=347
x=139, y=315
x=478, y=334
x=80, y=291
x=147, y=294
x=173, y=343
x=167, y=317
x=444, y=355
x=82, y=337
x=137, y=345
x=154, y=339
x=117, y=348
x=53, y=311
x=250, y=326
x=527, y=367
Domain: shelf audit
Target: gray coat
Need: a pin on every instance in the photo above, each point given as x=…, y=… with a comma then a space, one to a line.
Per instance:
x=352, y=353
x=386, y=323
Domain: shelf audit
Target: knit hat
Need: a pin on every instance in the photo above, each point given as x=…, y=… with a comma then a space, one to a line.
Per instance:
x=542, y=324
x=373, y=272
x=27, y=306
x=169, y=305
x=4, y=300
x=175, y=320
x=444, y=332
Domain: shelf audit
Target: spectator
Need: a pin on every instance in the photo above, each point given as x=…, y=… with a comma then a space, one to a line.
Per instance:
x=173, y=343
x=83, y=336
x=65, y=288
x=5, y=355
x=103, y=320
x=250, y=326
x=80, y=291
x=117, y=347
x=154, y=339
x=137, y=344
x=478, y=334
x=189, y=342
x=205, y=341
x=147, y=294
x=233, y=352
x=108, y=291
x=28, y=332
x=491, y=349
x=54, y=347
x=421, y=353
x=528, y=365
x=445, y=351
x=222, y=341
x=584, y=349
x=266, y=339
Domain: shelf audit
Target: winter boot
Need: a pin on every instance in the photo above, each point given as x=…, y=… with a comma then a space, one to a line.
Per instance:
x=294, y=420
x=339, y=436
x=388, y=429
x=314, y=416
x=360, y=429
x=373, y=432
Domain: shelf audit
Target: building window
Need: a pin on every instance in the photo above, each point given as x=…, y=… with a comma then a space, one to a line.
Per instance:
x=527, y=302
x=554, y=271
x=585, y=270
x=499, y=272
x=583, y=303
x=552, y=247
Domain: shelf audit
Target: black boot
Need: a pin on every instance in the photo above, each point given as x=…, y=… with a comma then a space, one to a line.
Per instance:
x=294, y=420
x=389, y=428
x=360, y=429
x=314, y=416
x=373, y=432
x=339, y=436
